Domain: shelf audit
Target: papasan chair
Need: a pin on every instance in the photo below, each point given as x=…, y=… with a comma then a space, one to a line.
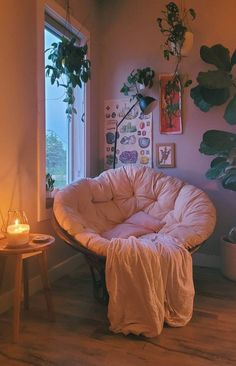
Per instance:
x=126, y=206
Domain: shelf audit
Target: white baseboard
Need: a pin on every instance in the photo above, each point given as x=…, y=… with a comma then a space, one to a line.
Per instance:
x=35, y=284
x=204, y=260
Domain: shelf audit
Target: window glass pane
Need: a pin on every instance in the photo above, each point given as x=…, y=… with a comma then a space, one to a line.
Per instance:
x=57, y=127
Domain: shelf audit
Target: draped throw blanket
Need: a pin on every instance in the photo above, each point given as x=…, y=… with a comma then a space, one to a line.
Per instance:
x=149, y=282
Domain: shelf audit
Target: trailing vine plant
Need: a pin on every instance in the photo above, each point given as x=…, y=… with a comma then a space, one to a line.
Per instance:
x=143, y=77
x=173, y=26
x=215, y=88
x=69, y=67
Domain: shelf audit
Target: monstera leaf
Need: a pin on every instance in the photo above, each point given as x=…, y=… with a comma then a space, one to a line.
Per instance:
x=230, y=112
x=216, y=55
x=215, y=86
x=216, y=79
x=217, y=168
x=223, y=145
x=214, y=96
x=199, y=101
x=229, y=180
x=217, y=142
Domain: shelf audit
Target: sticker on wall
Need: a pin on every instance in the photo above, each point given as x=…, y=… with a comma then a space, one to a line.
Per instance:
x=134, y=144
x=170, y=108
x=165, y=155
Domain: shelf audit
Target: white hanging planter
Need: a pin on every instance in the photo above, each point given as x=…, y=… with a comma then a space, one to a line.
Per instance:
x=228, y=258
x=186, y=47
x=188, y=43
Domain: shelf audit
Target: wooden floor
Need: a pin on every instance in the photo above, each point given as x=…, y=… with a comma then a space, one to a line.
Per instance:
x=80, y=335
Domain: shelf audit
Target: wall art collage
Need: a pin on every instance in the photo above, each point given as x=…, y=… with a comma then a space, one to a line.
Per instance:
x=134, y=143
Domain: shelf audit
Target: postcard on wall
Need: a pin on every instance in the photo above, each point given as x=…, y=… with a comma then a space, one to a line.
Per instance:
x=134, y=143
x=170, y=108
x=165, y=155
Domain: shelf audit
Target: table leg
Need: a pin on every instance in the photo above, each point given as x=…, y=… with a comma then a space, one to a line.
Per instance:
x=3, y=260
x=44, y=276
x=26, y=284
x=17, y=298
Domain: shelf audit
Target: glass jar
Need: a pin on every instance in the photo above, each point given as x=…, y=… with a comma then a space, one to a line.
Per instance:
x=17, y=228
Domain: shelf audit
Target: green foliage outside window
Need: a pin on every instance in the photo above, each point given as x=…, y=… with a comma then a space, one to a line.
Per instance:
x=56, y=161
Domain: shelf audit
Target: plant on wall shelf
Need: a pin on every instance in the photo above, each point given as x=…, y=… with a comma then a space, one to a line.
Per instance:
x=69, y=68
x=178, y=42
x=140, y=77
x=215, y=88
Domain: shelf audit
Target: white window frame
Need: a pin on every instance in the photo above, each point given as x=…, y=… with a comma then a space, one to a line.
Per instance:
x=59, y=14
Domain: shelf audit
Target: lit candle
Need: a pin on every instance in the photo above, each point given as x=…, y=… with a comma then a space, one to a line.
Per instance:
x=17, y=234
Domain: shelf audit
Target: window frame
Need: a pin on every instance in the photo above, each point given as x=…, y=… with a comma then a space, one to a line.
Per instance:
x=59, y=14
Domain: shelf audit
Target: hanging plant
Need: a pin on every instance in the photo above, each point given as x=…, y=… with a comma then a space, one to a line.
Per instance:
x=69, y=68
x=140, y=77
x=174, y=27
x=178, y=42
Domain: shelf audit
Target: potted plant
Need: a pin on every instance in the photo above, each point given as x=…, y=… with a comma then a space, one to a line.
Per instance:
x=178, y=43
x=49, y=185
x=69, y=68
x=228, y=254
x=138, y=79
x=217, y=87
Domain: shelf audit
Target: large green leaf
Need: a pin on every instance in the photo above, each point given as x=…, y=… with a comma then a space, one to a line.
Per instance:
x=215, y=96
x=218, y=160
x=216, y=55
x=230, y=112
x=216, y=79
x=229, y=181
x=196, y=95
x=233, y=59
x=217, y=142
x=217, y=170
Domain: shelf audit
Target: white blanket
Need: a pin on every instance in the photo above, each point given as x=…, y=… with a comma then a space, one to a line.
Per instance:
x=149, y=282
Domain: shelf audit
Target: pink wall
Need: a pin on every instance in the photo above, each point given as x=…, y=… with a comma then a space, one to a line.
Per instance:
x=124, y=35
x=130, y=38
x=18, y=106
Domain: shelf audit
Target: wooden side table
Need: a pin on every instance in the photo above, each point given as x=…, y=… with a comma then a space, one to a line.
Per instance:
x=38, y=249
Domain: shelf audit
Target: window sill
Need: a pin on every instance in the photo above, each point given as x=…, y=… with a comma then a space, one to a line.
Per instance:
x=49, y=202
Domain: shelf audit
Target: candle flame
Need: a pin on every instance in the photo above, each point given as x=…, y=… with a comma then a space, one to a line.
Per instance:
x=17, y=222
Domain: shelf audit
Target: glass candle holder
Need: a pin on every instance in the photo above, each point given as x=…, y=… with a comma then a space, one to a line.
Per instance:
x=17, y=229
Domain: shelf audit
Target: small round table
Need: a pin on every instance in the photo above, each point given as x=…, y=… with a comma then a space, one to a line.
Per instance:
x=21, y=254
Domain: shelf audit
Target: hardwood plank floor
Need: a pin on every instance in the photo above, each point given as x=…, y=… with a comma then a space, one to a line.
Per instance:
x=80, y=335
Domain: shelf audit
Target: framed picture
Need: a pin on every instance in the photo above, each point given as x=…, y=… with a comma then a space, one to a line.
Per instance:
x=170, y=107
x=165, y=155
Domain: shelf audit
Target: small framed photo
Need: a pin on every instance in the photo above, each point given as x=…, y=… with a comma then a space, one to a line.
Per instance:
x=165, y=155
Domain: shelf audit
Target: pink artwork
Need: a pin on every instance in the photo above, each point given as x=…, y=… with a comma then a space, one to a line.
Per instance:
x=170, y=108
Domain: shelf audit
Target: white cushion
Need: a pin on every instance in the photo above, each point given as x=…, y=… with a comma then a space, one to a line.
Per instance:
x=136, y=225
x=94, y=206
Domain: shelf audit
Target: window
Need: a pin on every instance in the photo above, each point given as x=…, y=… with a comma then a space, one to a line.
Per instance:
x=63, y=148
x=64, y=140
